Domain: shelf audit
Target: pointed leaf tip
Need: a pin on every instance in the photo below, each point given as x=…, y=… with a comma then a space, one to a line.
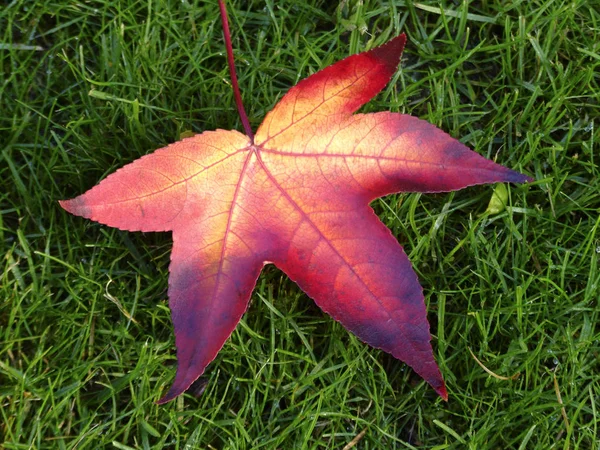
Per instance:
x=517, y=177
x=443, y=393
x=169, y=396
x=76, y=206
x=391, y=52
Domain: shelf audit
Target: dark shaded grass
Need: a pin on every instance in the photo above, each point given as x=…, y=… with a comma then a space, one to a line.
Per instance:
x=86, y=342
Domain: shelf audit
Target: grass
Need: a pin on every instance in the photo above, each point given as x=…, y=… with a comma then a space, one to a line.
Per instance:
x=86, y=343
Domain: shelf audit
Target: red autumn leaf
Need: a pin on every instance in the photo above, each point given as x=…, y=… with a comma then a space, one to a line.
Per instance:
x=297, y=196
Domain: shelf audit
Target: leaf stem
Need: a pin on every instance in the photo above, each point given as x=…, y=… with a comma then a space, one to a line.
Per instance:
x=231, y=63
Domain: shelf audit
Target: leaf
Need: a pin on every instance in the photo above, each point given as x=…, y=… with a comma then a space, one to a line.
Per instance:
x=296, y=196
x=498, y=200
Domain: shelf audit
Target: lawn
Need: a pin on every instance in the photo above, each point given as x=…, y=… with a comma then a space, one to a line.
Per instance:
x=86, y=341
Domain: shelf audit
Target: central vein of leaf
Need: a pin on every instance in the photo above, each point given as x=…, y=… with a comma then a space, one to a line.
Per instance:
x=331, y=97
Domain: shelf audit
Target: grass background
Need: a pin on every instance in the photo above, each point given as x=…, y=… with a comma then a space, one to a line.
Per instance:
x=86, y=342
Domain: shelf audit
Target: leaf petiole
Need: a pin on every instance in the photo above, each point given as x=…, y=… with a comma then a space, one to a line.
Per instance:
x=231, y=63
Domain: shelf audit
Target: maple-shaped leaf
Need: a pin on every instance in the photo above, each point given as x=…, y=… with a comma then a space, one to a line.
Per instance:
x=296, y=195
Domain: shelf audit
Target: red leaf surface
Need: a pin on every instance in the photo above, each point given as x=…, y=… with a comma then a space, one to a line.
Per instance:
x=296, y=196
